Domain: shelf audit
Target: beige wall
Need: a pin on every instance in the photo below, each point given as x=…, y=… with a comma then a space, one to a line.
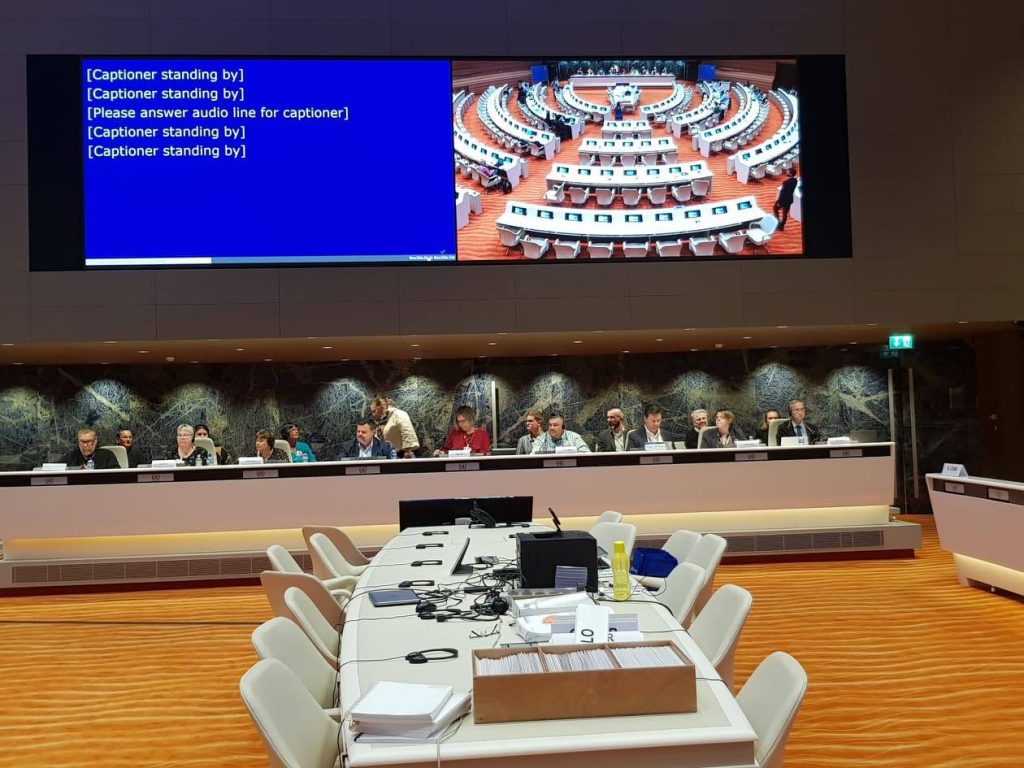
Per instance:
x=937, y=171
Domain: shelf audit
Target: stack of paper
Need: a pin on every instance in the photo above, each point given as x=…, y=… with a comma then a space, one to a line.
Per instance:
x=407, y=712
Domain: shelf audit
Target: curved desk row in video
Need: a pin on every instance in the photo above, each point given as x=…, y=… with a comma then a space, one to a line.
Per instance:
x=618, y=178
x=715, y=98
x=626, y=129
x=475, y=151
x=595, y=112
x=981, y=521
x=678, y=101
x=783, y=142
x=745, y=124
x=495, y=103
x=608, y=151
x=537, y=105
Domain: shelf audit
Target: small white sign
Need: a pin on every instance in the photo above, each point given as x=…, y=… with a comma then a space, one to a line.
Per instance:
x=259, y=474
x=559, y=463
x=655, y=447
x=54, y=467
x=754, y=443
x=998, y=494
x=61, y=480
x=565, y=449
x=592, y=624
x=760, y=456
x=370, y=469
x=459, y=453
x=954, y=488
x=249, y=460
x=462, y=466
x=155, y=477
x=164, y=464
x=954, y=470
x=655, y=459
x=845, y=440
x=846, y=453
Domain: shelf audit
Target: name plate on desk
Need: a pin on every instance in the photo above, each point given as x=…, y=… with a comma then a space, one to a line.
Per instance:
x=655, y=447
x=565, y=449
x=846, y=453
x=759, y=456
x=459, y=453
x=998, y=494
x=155, y=477
x=559, y=463
x=954, y=470
x=655, y=459
x=52, y=480
x=250, y=460
x=258, y=474
x=52, y=467
x=955, y=488
x=462, y=466
x=367, y=470
x=164, y=464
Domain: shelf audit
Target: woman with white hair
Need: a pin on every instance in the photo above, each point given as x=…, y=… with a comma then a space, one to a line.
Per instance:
x=186, y=452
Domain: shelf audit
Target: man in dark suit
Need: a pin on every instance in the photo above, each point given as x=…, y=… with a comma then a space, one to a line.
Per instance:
x=699, y=419
x=785, y=198
x=366, y=446
x=87, y=455
x=614, y=438
x=798, y=425
x=650, y=432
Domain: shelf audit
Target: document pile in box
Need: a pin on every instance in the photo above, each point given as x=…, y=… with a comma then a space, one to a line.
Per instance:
x=407, y=712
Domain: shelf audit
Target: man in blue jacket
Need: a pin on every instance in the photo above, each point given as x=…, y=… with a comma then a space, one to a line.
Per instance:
x=366, y=446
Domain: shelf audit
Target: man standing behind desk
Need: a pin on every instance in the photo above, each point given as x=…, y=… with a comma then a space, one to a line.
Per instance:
x=798, y=425
x=366, y=446
x=558, y=436
x=651, y=431
x=534, y=429
x=613, y=438
x=136, y=455
x=699, y=419
x=395, y=427
x=87, y=455
x=785, y=199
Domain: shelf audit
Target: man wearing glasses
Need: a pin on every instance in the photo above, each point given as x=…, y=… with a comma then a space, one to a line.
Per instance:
x=88, y=456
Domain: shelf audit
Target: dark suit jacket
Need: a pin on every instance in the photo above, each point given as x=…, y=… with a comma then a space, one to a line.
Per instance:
x=637, y=438
x=101, y=459
x=713, y=440
x=606, y=442
x=380, y=449
x=785, y=198
x=137, y=456
x=786, y=430
x=690, y=437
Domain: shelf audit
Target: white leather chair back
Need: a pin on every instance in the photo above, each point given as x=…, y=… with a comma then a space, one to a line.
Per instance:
x=681, y=543
x=330, y=604
x=707, y=553
x=318, y=629
x=770, y=699
x=281, y=560
x=773, y=431
x=608, y=533
x=609, y=516
x=207, y=443
x=704, y=431
x=296, y=731
x=284, y=446
x=323, y=548
x=120, y=453
x=717, y=627
x=282, y=639
x=680, y=590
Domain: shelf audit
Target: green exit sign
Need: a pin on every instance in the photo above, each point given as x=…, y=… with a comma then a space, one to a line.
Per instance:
x=901, y=341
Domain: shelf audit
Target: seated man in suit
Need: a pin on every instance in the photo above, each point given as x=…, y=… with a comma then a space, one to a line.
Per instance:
x=136, y=455
x=651, y=432
x=366, y=446
x=558, y=436
x=534, y=429
x=798, y=425
x=87, y=455
x=614, y=438
x=699, y=419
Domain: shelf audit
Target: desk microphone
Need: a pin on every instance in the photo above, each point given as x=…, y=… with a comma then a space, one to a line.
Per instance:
x=433, y=533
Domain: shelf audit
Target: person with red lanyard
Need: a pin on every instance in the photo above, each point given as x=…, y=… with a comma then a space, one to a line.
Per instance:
x=466, y=435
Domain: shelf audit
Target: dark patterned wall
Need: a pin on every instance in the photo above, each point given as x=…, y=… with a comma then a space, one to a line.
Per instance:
x=41, y=409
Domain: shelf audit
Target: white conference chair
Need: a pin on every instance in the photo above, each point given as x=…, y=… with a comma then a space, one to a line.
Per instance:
x=679, y=545
x=605, y=195
x=609, y=516
x=534, y=247
x=680, y=591
x=342, y=543
x=758, y=171
x=773, y=431
x=649, y=158
x=555, y=195
x=717, y=628
x=600, y=250
x=608, y=533
x=630, y=195
x=707, y=553
x=330, y=604
x=579, y=195
x=770, y=699
x=284, y=446
x=296, y=731
x=606, y=160
x=329, y=561
x=703, y=246
x=120, y=453
x=669, y=248
x=586, y=158
x=281, y=560
x=510, y=236
x=325, y=637
x=701, y=187
x=566, y=249
x=657, y=195
x=671, y=155
x=732, y=242
x=761, y=234
x=704, y=431
x=282, y=639
x=207, y=443
x=628, y=160
x=682, y=192
x=635, y=250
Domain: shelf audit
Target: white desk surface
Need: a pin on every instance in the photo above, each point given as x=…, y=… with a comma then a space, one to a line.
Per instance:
x=498, y=110
x=736, y=126
x=667, y=104
x=575, y=100
x=640, y=176
x=717, y=734
x=595, y=81
x=772, y=148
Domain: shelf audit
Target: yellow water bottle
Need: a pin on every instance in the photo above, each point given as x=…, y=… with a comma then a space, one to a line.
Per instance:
x=621, y=589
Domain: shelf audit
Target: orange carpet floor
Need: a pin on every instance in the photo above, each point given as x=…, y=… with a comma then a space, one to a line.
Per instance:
x=479, y=240
x=907, y=669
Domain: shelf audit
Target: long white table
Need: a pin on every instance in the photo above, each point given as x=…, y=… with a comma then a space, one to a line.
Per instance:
x=596, y=81
x=626, y=129
x=783, y=141
x=618, y=177
x=678, y=100
x=536, y=103
x=718, y=734
x=477, y=151
x=740, y=123
x=496, y=104
x=574, y=100
x=594, y=148
x=715, y=97
x=636, y=225
x=981, y=521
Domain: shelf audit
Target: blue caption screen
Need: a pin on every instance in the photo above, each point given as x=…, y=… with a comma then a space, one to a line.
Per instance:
x=222, y=161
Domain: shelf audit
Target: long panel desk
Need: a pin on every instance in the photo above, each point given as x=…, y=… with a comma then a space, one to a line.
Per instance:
x=717, y=734
x=679, y=100
x=591, y=149
x=783, y=141
x=743, y=120
x=626, y=129
x=574, y=100
x=638, y=225
x=537, y=105
x=715, y=97
x=496, y=104
x=981, y=521
x=596, y=81
x=476, y=150
x=618, y=177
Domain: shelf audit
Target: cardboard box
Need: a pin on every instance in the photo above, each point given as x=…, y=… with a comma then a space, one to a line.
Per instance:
x=596, y=693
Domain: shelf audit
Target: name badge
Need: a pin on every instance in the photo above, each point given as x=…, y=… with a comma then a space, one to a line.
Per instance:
x=459, y=453
x=53, y=467
x=655, y=447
